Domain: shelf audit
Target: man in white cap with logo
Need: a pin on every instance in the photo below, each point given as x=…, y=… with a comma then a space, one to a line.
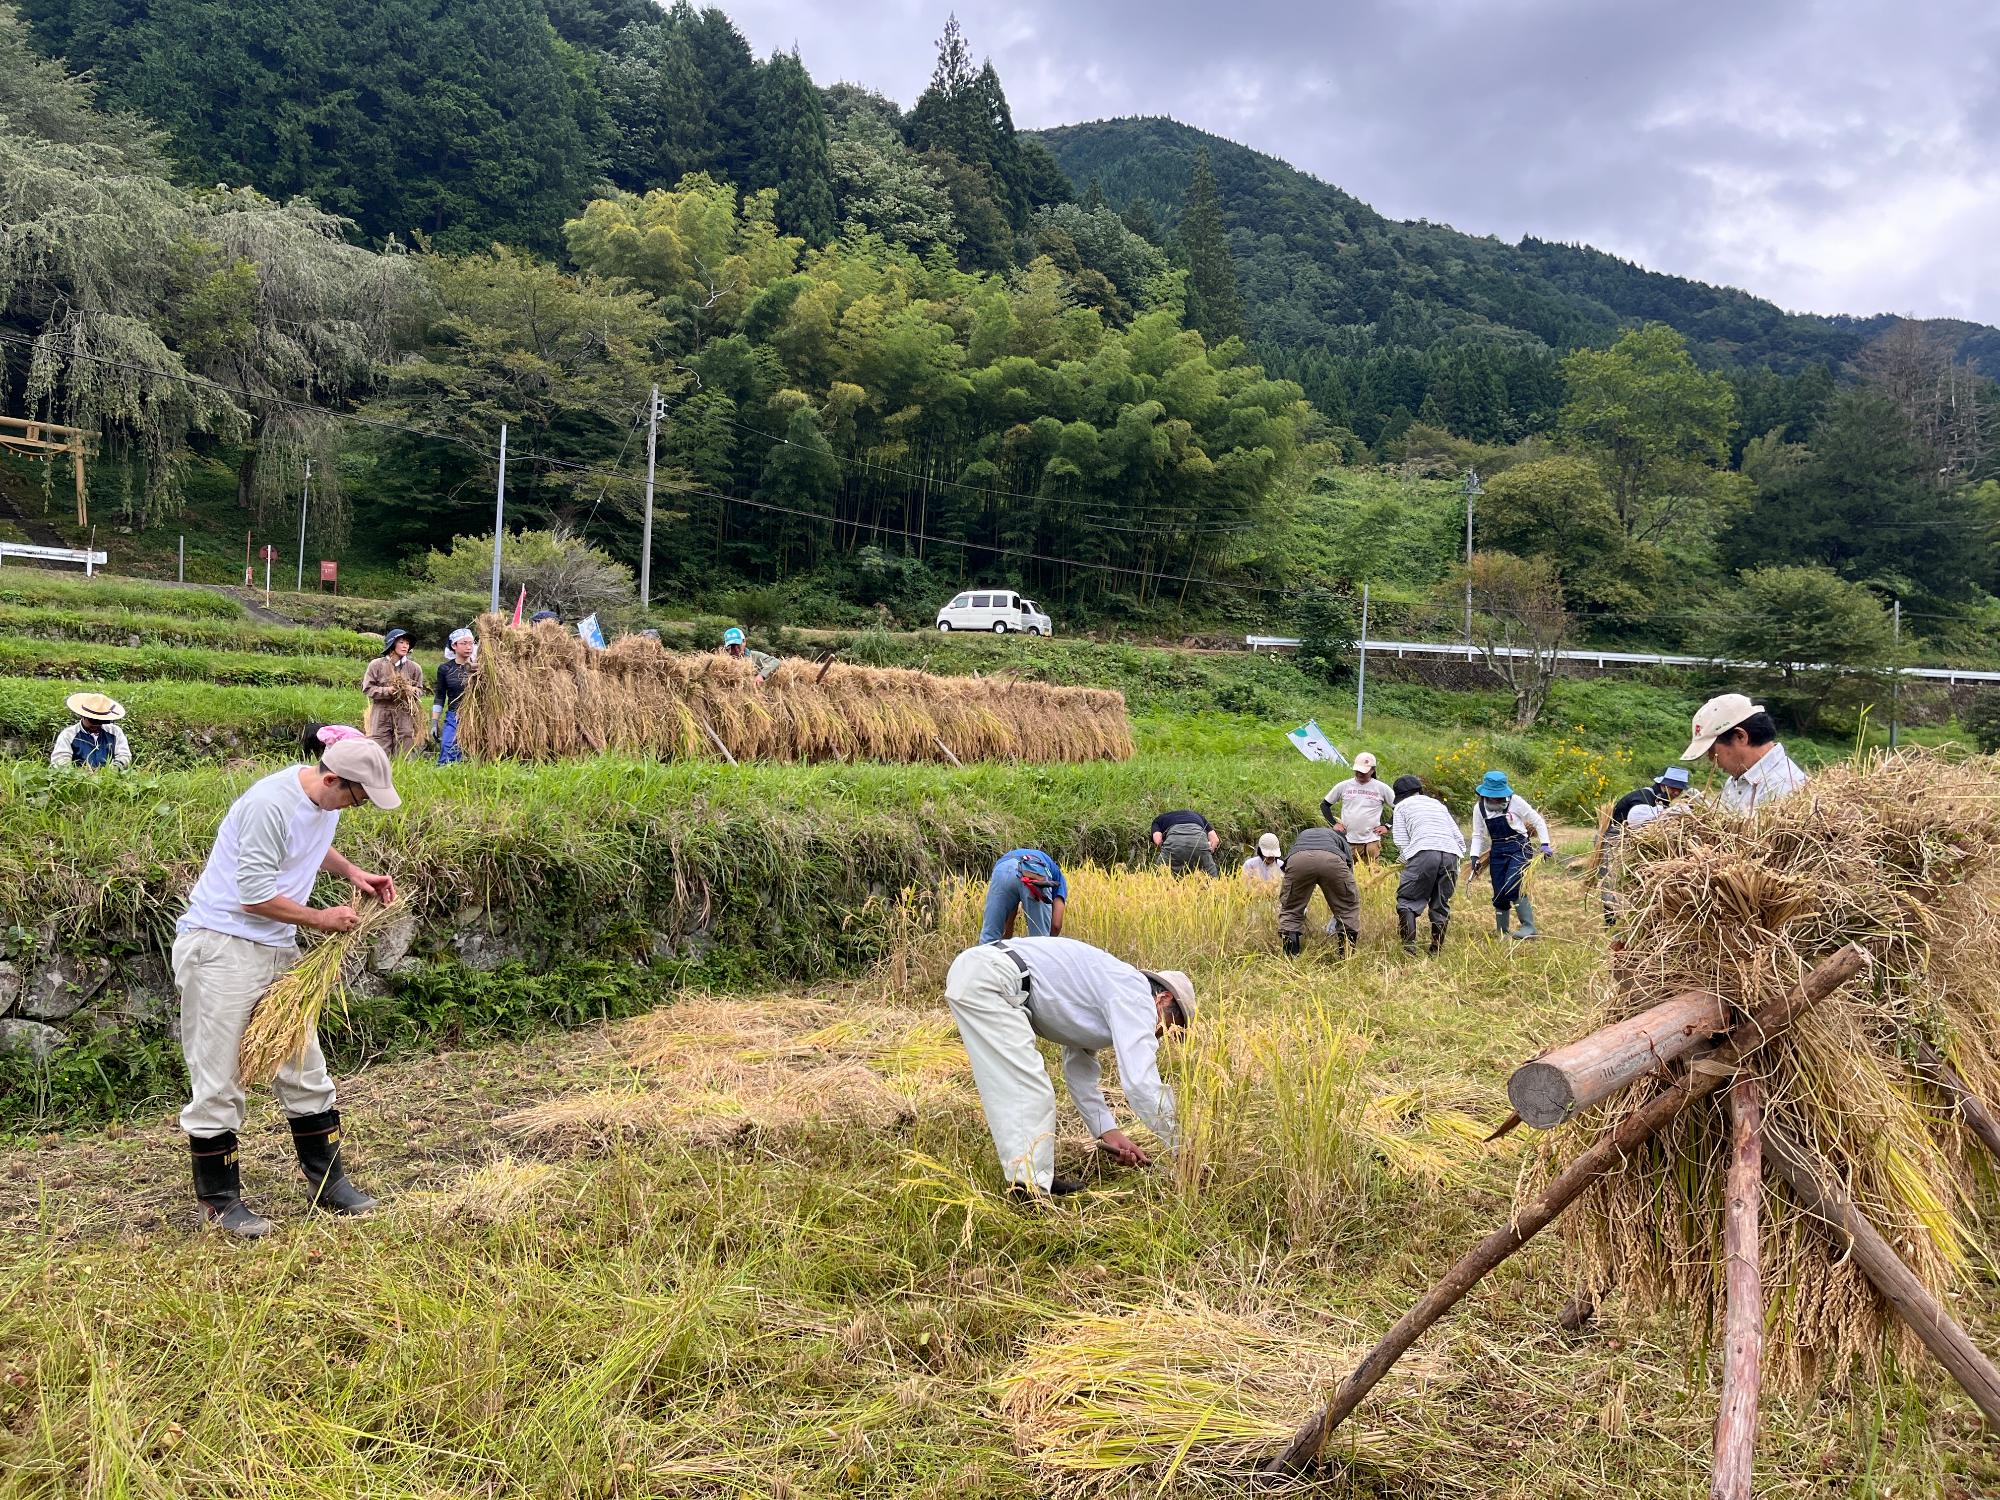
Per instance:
x=94, y=740
x=1742, y=741
x=240, y=933
x=1005, y=995
x=1363, y=800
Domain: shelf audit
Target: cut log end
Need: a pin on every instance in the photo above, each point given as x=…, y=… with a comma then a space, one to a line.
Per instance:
x=1541, y=1094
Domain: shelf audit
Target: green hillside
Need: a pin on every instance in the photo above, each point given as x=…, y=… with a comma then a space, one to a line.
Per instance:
x=1320, y=269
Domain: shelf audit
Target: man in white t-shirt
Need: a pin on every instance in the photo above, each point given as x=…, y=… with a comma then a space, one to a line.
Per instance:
x=240, y=933
x=1363, y=800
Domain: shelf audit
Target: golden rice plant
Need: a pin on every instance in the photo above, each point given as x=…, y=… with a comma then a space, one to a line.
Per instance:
x=1192, y=1393
x=1902, y=856
x=287, y=1015
x=540, y=693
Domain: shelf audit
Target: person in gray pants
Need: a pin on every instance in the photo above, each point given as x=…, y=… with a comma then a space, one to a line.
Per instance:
x=1319, y=860
x=1427, y=838
x=1186, y=842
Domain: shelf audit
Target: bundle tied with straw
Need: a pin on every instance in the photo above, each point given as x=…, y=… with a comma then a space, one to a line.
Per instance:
x=1901, y=855
x=287, y=1015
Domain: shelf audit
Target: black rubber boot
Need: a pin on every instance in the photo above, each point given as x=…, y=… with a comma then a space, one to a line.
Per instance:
x=1406, y=928
x=1059, y=1187
x=317, y=1140
x=1346, y=940
x=1294, y=943
x=1437, y=935
x=218, y=1186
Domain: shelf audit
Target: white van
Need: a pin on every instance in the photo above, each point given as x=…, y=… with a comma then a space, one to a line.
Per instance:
x=997, y=610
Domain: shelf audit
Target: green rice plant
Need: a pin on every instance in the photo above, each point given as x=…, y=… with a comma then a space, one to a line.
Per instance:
x=118, y=626
x=36, y=586
x=25, y=656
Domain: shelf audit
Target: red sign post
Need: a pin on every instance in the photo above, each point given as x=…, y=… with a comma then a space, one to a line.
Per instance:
x=329, y=572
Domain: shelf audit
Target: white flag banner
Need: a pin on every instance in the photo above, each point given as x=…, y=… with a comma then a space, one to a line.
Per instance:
x=591, y=631
x=1311, y=742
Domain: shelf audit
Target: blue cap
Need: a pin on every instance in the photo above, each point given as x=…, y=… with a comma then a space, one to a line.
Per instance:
x=540, y=615
x=733, y=636
x=1495, y=784
x=1674, y=776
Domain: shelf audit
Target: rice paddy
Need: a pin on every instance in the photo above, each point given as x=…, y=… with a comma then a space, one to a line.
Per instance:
x=750, y=1245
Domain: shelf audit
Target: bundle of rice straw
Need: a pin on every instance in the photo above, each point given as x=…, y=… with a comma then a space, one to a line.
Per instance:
x=1105, y=1398
x=288, y=1013
x=542, y=694
x=1900, y=854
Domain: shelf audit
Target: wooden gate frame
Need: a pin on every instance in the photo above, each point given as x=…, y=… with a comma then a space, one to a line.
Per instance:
x=36, y=439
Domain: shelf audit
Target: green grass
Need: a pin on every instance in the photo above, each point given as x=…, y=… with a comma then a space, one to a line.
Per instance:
x=173, y=723
x=117, y=627
x=24, y=656
x=33, y=586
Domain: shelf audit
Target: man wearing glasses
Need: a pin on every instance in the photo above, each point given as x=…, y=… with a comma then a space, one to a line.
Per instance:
x=239, y=933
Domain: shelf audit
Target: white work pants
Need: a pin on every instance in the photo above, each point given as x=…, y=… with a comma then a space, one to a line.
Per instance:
x=221, y=979
x=985, y=993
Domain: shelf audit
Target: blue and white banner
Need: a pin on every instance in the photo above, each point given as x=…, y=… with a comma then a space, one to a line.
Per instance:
x=589, y=629
x=1311, y=742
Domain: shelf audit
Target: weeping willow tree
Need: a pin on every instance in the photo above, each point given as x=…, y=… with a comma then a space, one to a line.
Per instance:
x=166, y=319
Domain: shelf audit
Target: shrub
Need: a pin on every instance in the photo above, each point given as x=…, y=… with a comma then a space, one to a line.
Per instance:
x=1982, y=719
x=1327, y=627
x=559, y=570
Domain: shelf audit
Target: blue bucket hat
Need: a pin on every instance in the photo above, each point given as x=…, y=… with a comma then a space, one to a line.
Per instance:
x=389, y=640
x=1495, y=784
x=732, y=636
x=1674, y=776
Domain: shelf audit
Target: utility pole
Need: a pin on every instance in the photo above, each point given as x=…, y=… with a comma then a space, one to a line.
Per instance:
x=646, y=535
x=1896, y=678
x=499, y=518
x=181, y=567
x=305, y=493
x=1472, y=492
x=1361, y=675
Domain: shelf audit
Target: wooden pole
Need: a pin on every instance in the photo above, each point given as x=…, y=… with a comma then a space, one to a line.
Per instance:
x=947, y=752
x=715, y=740
x=1558, y=1084
x=1743, y=1292
x=1821, y=1197
x=1607, y=1155
x=1972, y=1110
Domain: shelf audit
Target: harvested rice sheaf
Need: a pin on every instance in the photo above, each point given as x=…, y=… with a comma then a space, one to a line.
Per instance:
x=1900, y=854
x=540, y=693
x=287, y=1015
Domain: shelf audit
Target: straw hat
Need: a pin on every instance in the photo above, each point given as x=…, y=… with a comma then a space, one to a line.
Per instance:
x=95, y=706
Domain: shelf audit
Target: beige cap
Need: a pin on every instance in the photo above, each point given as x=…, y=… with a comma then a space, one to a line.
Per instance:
x=95, y=706
x=1716, y=718
x=1365, y=761
x=366, y=764
x=1177, y=984
x=1269, y=847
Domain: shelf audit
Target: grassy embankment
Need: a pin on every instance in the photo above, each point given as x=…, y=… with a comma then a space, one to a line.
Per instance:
x=755, y=1249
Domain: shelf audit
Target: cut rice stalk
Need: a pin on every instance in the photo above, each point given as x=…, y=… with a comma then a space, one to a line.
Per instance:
x=287, y=1015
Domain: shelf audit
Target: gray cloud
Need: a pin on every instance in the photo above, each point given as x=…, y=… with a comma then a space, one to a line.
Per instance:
x=1832, y=155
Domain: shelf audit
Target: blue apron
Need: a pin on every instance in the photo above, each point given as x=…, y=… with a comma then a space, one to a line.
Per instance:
x=92, y=751
x=1507, y=859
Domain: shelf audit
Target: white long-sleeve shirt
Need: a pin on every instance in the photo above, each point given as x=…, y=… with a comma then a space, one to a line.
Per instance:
x=1775, y=775
x=64, y=755
x=1361, y=806
x=1084, y=1000
x=1521, y=816
x=1424, y=825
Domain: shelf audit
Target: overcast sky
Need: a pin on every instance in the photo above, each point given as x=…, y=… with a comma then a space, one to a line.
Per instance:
x=1840, y=156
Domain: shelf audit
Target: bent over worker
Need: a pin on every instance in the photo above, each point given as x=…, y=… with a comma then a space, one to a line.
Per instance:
x=1741, y=738
x=1430, y=846
x=1632, y=811
x=1186, y=841
x=1004, y=995
x=1319, y=860
x=1031, y=884
x=1501, y=818
x=239, y=933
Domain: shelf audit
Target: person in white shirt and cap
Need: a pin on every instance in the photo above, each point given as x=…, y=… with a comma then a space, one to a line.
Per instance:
x=1362, y=799
x=1741, y=739
x=1501, y=818
x=1265, y=869
x=1630, y=812
x=1004, y=995
x=239, y=933
x=1430, y=846
x=94, y=740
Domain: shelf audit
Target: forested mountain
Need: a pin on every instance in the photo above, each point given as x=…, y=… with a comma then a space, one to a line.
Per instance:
x=1322, y=272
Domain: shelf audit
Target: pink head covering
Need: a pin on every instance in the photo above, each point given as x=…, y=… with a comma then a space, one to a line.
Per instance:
x=333, y=734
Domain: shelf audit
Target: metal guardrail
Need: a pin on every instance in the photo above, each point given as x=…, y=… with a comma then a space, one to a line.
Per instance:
x=90, y=560
x=1459, y=651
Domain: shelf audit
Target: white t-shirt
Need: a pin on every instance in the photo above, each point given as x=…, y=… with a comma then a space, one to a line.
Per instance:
x=1361, y=805
x=271, y=843
x=1258, y=871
